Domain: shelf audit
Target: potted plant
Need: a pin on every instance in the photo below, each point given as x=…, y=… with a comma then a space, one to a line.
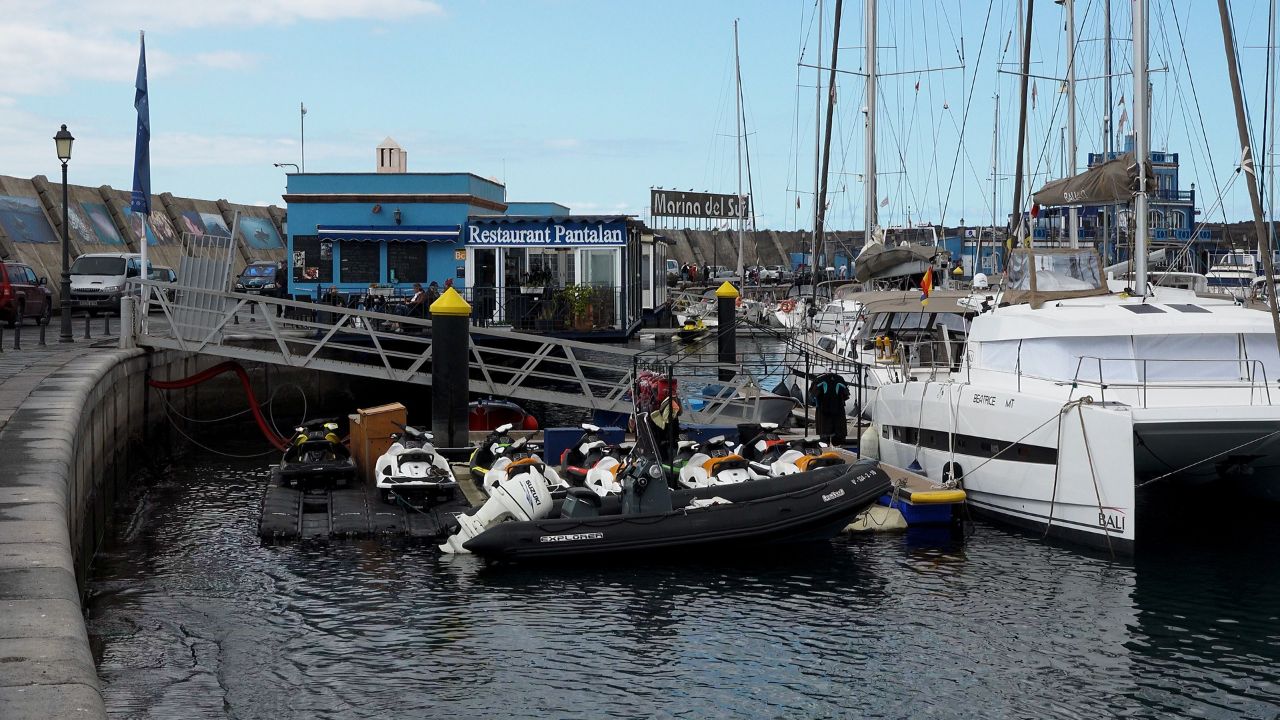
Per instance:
x=535, y=280
x=577, y=301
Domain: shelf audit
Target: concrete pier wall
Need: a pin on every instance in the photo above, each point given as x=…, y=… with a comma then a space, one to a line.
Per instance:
x=64, y=455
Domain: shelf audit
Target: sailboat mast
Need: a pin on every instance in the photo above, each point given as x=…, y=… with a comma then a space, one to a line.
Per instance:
x=1106, y=117
x=1246, y=160
x=742, y=216
x=1142, y=141
x=817, y=142
x=826, y=139
x=870, y=212
x=1073, y=213
x=1022, y=125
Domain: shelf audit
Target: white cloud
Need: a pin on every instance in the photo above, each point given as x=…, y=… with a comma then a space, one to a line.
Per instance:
x=226, y=60
x=184, y=14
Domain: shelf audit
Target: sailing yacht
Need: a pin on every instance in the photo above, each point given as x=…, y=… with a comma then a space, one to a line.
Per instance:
x=1075, y=393
x=1070, y=396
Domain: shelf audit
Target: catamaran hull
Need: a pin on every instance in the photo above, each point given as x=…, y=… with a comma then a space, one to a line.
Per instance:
x=1073, y=469
x=1022, y=459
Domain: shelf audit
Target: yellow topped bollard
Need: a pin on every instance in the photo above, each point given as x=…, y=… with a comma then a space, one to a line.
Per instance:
x=450, y=346
x=727, y=301
x=450, y=303
x=727, y=290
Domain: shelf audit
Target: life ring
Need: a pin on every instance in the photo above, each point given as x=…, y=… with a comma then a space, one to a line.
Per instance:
x=787, y=305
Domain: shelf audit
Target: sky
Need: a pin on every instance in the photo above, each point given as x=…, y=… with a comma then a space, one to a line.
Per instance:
x=590, y=103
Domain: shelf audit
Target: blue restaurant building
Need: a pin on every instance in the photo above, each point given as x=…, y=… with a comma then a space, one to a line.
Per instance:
x=519, y=263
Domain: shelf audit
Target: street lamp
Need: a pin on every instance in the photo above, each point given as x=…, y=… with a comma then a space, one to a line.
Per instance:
x=292, y=165
x=63, y=142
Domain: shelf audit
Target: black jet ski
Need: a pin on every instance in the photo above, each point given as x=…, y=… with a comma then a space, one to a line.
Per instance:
x=650, y=517
x=316, y=458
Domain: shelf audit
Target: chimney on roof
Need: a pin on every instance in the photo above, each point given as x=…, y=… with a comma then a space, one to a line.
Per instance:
x=392, y=158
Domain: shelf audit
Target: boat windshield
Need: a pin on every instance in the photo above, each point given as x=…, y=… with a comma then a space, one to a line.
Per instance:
x=1037, y=275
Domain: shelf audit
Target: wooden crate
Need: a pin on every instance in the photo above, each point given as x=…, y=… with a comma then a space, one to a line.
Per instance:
x=371, y=430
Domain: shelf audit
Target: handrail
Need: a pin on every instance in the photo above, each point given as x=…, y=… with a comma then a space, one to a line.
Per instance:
x=368, y=343
x=1144, y=383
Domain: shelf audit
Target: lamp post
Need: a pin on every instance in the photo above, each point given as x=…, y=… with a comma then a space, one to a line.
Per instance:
x=292, y=165
x=62, y=140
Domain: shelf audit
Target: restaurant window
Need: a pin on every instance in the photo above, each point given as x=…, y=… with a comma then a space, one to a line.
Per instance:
x=406, y=262
x=310, y=263
x=359, y=262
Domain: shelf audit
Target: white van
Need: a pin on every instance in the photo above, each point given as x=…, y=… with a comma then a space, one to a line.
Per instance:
x=98, y=280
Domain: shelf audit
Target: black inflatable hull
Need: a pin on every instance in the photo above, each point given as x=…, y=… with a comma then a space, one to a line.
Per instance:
x=803, y=507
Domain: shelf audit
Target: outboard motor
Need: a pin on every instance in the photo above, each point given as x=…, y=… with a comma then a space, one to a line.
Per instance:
x=523, y=495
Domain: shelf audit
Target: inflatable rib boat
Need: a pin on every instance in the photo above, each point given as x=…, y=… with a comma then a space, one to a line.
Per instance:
x=648, y=517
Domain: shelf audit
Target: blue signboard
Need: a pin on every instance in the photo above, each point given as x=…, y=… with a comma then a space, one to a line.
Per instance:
x=546, y=233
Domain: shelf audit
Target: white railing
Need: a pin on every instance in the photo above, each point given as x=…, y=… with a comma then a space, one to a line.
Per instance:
x=335, y=338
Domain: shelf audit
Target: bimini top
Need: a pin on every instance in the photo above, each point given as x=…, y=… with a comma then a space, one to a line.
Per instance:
x=907, y=301
x=1039, y=275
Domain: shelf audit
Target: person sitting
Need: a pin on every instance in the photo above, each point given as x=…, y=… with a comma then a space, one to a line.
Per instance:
x=415, y=303
x=433, y=293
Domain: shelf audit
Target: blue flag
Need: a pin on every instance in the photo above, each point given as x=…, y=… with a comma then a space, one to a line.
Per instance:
x=141, y=202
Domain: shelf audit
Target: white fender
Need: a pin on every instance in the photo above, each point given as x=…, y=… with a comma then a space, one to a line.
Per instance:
x=869, y=443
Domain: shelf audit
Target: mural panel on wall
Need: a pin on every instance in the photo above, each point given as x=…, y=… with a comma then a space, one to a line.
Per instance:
x=213, y=225
x=103, y=227
x=259, y=233
x=191, y=223
x=162, y=230
x=24, y=221
x=138, y=227
x=81, y=228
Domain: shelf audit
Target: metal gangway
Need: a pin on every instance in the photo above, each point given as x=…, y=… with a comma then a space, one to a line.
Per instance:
x=334, y=338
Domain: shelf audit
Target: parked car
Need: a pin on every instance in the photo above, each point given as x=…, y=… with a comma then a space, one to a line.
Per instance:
x=99, y=280
x=673, y=271
x=263, y=277
x=781, y=274
x=163, y=274
x=23, y=295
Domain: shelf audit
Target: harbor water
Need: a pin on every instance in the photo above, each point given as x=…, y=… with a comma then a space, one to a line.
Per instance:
x=192, y=616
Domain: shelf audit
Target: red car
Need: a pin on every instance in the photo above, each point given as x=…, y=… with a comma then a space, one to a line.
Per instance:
x=23, y=295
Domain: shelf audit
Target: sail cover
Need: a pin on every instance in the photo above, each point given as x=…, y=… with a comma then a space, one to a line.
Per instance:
x=1109, y=183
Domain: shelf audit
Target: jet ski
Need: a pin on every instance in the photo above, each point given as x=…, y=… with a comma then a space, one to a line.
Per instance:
x=592, y=462
x=411, y=471
x=519, y=522
x=316, y=458
x=489, y=450
x=512, y=460
x=713, y=463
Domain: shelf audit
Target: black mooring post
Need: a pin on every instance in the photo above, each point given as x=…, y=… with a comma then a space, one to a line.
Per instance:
x=42, y=327
x=86, y=324
x=17, y=334
x=450, y=338
x=727, y=332
x=106, y=324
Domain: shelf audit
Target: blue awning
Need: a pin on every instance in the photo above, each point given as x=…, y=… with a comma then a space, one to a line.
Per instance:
x=390, y=233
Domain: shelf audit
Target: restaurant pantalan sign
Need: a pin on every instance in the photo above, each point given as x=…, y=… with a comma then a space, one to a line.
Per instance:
x=674, y=203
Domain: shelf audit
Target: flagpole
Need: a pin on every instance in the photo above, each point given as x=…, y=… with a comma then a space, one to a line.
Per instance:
x=302, y=125
x=141, y=200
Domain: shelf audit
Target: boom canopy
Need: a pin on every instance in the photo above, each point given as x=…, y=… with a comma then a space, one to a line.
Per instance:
x=1112, y=182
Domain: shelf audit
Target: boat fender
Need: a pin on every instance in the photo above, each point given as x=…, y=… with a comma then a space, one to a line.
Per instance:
x=952, y=473
x=869, y=443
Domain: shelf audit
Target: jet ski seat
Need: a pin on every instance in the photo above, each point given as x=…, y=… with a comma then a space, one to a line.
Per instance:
x=580, y=502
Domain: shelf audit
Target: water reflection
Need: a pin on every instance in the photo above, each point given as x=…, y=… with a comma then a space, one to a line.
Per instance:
x=193, y=617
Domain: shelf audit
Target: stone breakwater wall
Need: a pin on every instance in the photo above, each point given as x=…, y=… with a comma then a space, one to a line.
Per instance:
x=759, y=247
x=65, y=454
x=99, y=220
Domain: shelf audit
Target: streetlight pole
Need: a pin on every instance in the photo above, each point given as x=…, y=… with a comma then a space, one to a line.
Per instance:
x=62, y=140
